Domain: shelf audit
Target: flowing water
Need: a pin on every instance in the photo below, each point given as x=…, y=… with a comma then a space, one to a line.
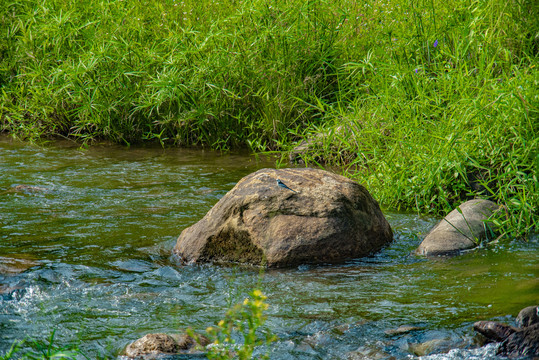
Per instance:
x=85, y=251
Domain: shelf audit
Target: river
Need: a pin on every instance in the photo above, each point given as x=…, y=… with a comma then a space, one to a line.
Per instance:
x=85, y=251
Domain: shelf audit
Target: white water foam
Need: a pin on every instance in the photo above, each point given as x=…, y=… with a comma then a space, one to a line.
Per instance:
x=487, y=352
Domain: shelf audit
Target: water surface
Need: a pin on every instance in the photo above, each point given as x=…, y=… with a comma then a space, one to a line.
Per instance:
x=85, y=249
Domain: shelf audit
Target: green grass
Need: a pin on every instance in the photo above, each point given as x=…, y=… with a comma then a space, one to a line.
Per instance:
x=447, y=114
x=424, y=126
x=247, y=320
x=41, y=350
x=170, y=71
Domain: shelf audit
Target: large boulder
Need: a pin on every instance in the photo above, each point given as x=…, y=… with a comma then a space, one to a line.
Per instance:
x=320, y=218
x=463, y=228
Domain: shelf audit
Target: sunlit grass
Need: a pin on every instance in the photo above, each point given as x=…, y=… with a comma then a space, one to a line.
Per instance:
x=41, y=350
x=427, y=102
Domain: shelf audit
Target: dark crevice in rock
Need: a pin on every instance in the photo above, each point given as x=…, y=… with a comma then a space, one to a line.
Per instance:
x=232, y=245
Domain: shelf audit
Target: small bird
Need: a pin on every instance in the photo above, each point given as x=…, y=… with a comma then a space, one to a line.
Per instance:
x=283, y=185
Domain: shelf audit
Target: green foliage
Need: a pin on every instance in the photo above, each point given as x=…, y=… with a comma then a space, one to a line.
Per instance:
x=246, y=320
x=189, y=72
x=40, y=350
x=427, y=102
x=441, y=112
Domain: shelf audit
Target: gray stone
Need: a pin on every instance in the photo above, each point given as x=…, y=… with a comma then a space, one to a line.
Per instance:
x=515, y=342
x=152, y=344
x=430, y=346
x=158, y=346
x=528, y=316
x=403, y=329
x=523, y=343
x=494, y=331
x=459, y=230
x=326, y=219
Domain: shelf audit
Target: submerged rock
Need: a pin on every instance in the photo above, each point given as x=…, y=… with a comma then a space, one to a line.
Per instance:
x=430, y=347
x=11, y=265
x=403, y=329
x=459, y=230
x=320, y=218
x=26, y=189
x=368, y=352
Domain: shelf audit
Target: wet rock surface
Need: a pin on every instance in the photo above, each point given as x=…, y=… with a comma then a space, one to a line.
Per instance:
x=523, y=343
x=494, y=331
x=404, y=329
x=29, y=189
x=528, y=316
x=160, y=346
x=515, y=342
x=463, y=228
x=13, y=265
x=318, y=217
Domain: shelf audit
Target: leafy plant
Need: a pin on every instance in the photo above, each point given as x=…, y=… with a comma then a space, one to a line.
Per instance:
x=40, y=350
x=243, y=321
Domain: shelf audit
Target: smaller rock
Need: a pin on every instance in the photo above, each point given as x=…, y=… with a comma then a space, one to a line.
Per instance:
x=528, y=316
x=9, y=292
x=153, y=346
x=404, y=329
x=11, y=265
x=429, y=347
x=515, y=342
x=523, y=343
x=494, y=331
x=368, y=353
x=26, y=189
x=463, y=228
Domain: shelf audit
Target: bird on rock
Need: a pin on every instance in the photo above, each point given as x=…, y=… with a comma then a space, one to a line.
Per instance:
x=283, y=185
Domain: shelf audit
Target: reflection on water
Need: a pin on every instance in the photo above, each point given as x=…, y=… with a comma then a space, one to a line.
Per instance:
x=85, y=240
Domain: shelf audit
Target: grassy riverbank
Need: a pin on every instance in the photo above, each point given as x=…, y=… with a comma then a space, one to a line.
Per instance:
x=427, y=102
